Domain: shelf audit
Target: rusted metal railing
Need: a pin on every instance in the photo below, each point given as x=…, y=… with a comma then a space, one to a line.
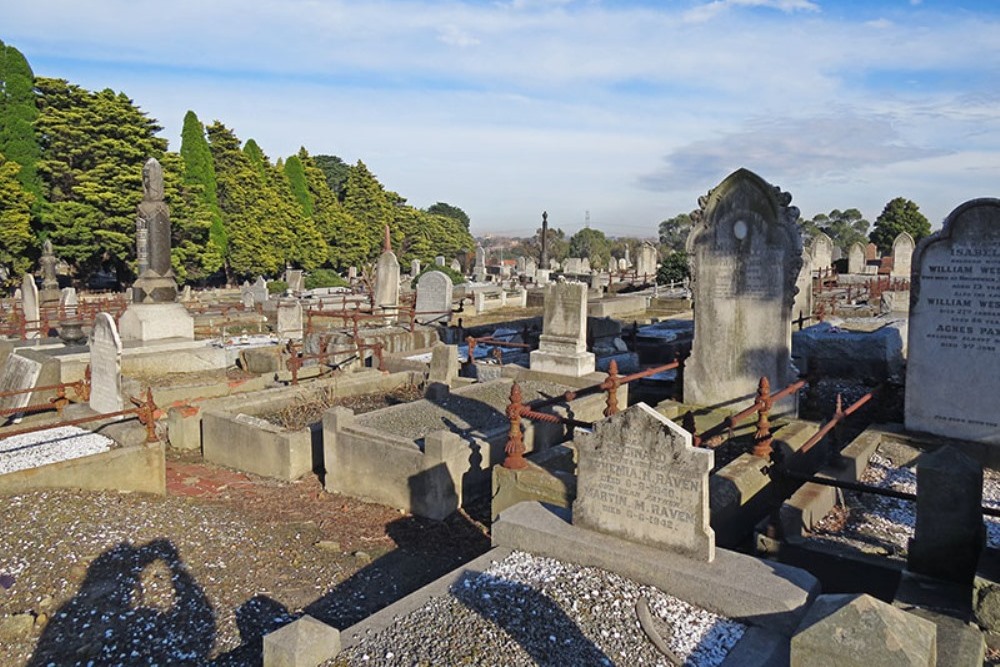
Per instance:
x=80, y=388
x=839, y=415
x=296, y=361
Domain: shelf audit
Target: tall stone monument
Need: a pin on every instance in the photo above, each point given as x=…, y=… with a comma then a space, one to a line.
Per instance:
x=387, y=281
x=479, y=270
x=953, y=363
x=562, y=347
x=154, y=313
x=902, y=255
x=746, y=253
x=49, y=293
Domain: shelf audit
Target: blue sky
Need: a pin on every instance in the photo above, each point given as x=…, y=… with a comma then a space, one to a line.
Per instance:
x=627, y=111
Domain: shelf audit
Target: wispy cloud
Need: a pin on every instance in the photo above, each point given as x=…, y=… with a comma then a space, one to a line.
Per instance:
x=710, y=10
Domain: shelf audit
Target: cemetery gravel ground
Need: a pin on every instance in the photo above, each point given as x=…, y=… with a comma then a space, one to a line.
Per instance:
x=107, y=578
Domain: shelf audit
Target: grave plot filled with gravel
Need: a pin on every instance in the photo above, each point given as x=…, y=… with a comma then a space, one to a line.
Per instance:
x=31, y=450
x=528, y=610
x=479, y=409
x=883, y=526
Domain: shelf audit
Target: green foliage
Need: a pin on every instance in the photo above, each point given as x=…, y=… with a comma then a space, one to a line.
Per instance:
x=276, y=287
x=324, y=278
x=456, y=277
x=18, y=112
x=844, y=228
x=297, y=182
x=193, y=256
x=450, y=211
x=366, y=201
x=93, y=148
x=674, y=231
x=673, y=268
x=15, y=221
x=593, y=244
x=557, y=246
x=335, y=172
x=348, y=243
x=899, y=215
x=199, y=176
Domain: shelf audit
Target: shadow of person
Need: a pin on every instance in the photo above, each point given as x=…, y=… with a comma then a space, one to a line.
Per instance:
x=255, y=618
x=137, y=605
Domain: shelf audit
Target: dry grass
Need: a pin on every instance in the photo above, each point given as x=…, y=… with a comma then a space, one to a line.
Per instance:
x=309, y=409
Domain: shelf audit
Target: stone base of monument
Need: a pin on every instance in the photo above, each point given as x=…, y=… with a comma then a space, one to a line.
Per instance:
x=574, y=365
x=155, y=321
x=153, y=288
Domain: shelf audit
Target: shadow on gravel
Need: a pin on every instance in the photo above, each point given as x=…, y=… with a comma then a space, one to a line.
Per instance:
x=137, y=605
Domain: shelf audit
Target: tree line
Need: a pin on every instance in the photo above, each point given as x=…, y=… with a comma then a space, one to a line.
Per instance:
x=71, y=172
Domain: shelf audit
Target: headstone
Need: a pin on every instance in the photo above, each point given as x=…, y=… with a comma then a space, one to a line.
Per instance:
x=455, y=265
x=902, y=255
x=953, y=353
x=18, y=373
x=247, y=299
x=822, y=252
x=444, y=364
x=68, y=298
x=439, y=260
x=542, y=277
x=186, y=294
x=622, y=264
x=50, y=282
x=290, y=319
x=573, y=266
x=856, y=259
x=30, y=307
x=352, y=273
x=479, y=271
x=627, y=257
x=949, y=534
x=387, y=282
x=522, y=264
x=871, y=252
x=562, y=347
x=414, y=267
x=434, y=293
x=746, y=254
x=296, y=280
x=803, y=304
x=861, y=631
x=639, y=478
x=259, y=290
x=105, y=366
x=645, y=266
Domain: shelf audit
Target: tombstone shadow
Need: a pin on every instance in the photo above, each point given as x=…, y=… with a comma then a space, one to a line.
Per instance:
x=119, y=616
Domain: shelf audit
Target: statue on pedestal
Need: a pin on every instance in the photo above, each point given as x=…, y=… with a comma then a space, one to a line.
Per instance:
x=156, y=283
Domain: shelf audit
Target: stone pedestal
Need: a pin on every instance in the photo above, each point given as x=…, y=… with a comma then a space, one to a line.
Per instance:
x=575, y=365
x=156, y=321
x=154, y=288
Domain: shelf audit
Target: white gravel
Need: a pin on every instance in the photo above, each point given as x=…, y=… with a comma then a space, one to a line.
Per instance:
x=527, y=610
x=877, y=523
x=31, y=450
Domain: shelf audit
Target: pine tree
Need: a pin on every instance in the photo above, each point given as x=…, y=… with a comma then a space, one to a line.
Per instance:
x=899, y=215
x=18, y=141
x=199, y=175
x=15, y=222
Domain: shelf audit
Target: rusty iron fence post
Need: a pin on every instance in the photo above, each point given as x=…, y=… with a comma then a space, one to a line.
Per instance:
x=515, y=440
x=762, y=437
x=687, y=423
x=613, y=382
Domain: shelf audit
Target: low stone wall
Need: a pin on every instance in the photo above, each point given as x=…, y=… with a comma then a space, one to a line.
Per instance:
x=137, y=468
x=617, y=305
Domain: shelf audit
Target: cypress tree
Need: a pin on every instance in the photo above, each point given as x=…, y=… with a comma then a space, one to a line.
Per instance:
x=18, y=112
x=347, y=242
x=367, y=202
x=15, y=222
x=199, y=174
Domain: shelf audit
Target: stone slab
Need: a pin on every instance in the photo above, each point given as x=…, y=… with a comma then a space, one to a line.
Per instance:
x=155, y=321
x=762, y=593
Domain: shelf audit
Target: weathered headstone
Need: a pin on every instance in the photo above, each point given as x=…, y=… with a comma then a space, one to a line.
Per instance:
x=295, y=279
x=186, y=294
x=259, y=290
x=439, y=260
x=573, y=265
x=479, y=271
x=645, y=266
x=387, y=281
x=434, y=293
x=871, y=252
x=746, y=254
x=18, y=373
x=530, y=267
x=455, y=265
x=861, y=631
x=803, y=304
x=902, y=255
x=290, y=319
x=50, y=282
x=352, y=273
x=856, y=259
x=953, y=353
x=68, y=297
x=30, y=307
x=640, y=478
x=622, y=264
x=822, y=252
x=562, y=347
x=444, y=364
x=414, y=267
x=105, y=366
x=949, y=535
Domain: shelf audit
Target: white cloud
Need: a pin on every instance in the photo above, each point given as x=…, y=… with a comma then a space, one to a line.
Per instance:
x=712, y=9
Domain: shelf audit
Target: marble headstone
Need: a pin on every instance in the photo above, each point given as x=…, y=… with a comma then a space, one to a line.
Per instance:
x=30, y=306
x=645, y=266
x=290, y=319
x=746, y=254
x=902, y=255
x=18, y=373
x=434, y=293
x=387, y=285
x=105, y=366
x=639, y=478
x=822, y=252
x=856, y=259
x=439, y=260
x=953, y=351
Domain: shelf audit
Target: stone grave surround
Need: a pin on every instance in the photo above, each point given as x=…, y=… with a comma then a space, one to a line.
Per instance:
x=953, y=350
x=746, y=254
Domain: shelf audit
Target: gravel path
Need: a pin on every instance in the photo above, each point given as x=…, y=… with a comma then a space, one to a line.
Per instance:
x=125, y=579
x=528, y=610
